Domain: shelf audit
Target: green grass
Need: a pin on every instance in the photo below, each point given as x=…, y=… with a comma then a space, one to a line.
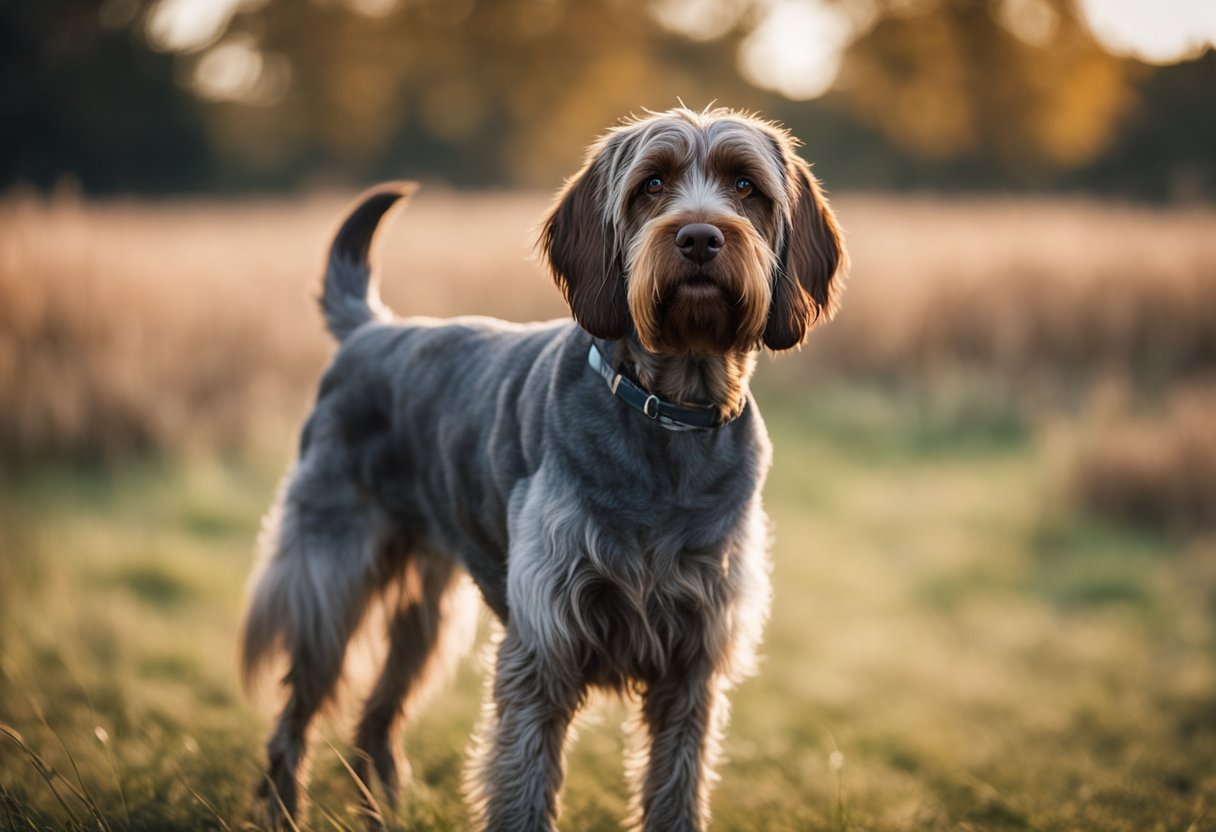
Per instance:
x=975, y=654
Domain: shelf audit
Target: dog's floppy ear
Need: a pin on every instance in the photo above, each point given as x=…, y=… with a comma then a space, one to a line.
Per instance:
x=806, y=285
x=578, y=241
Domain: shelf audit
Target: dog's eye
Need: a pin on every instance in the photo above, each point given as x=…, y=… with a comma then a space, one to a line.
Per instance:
x=653, y=185
x=744, y=187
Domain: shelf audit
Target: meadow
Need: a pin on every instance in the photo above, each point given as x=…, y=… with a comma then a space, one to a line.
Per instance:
x=994, y=492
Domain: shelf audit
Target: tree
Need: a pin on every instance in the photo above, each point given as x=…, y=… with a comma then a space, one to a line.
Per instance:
x=85, y=101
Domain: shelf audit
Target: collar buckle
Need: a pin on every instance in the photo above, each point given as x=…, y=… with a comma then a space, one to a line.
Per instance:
x=668, y=415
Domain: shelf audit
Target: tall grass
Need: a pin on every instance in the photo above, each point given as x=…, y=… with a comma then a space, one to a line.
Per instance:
x=1029, y=288
x=1155, y=468
x=128, y=326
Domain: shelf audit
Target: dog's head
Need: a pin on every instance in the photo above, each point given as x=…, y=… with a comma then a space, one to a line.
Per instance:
x=704, y=232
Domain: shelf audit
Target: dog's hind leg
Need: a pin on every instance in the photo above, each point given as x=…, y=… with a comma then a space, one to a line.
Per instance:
x=430, y=627
x=323, y=549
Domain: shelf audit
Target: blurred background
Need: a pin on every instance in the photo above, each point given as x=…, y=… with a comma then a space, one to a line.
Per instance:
x=170, y=96
x=994, y=487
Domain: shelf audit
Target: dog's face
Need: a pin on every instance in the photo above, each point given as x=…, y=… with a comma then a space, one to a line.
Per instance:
x=703, y=232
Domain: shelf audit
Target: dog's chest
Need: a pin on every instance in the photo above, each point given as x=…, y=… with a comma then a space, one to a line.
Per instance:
x=650, y=616
x=629, y=564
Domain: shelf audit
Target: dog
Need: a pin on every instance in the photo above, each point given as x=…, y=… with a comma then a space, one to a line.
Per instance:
x=598, y=480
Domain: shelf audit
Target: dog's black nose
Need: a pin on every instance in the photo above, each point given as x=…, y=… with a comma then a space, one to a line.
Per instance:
x=700, y=242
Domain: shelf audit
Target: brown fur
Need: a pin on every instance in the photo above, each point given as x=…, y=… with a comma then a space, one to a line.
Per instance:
x=581, y=247
x=806, y=288
x=690, y=332
x=715, y=309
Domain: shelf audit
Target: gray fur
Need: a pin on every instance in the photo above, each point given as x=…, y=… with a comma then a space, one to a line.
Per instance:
x=616, y=577
x=615, y=554
x=349, y=299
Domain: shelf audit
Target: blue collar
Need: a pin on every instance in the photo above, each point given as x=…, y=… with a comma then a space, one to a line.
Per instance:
x=670, y=416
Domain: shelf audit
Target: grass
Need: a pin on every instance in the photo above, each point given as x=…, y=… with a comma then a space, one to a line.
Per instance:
x=974, y=656
x=1154, y=469
x=991, y=611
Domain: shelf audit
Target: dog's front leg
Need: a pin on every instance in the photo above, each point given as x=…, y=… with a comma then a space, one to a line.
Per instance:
x=522, y=753
x=682, y=715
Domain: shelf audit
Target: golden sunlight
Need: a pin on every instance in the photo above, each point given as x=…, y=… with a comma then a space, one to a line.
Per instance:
x=797, y=47
x=700, y=19
x=1165, y=32
x=190, y=25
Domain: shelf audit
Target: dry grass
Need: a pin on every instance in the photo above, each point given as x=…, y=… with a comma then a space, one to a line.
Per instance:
x=1026, y=288
x=188, y=327
x=144, y=326
x=1154, y=469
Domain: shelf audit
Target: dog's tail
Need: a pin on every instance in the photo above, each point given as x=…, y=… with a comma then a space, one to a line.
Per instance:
x=349, y=297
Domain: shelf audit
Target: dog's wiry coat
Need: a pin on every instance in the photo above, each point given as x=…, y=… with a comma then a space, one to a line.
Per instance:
x=615, y=553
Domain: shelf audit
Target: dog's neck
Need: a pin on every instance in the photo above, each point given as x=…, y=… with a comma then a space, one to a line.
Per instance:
x=719, y=381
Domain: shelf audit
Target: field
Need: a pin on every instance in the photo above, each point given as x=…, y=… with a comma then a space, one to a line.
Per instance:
x=994, y=491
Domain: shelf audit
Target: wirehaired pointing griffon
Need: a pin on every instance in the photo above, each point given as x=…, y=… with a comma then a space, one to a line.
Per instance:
x=598, y=479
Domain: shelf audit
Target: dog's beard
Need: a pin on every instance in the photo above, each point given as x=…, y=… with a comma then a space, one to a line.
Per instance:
x=681, y=307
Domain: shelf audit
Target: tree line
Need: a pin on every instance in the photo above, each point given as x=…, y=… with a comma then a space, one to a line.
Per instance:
x=285, y=94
